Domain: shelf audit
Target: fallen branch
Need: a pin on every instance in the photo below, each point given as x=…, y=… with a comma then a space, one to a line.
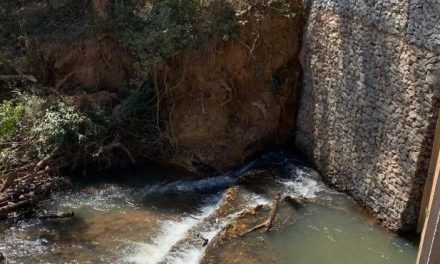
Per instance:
x=5, y=184
x=268, y=223
x=115, y=144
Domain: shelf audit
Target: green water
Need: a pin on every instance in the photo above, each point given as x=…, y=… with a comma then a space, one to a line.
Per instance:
x=334, y=234
x=323, y=235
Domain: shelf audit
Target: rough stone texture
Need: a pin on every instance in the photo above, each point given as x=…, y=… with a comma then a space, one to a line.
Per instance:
x=369, y=105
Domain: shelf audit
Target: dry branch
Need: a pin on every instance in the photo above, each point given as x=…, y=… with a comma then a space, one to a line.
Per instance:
x=268, y=223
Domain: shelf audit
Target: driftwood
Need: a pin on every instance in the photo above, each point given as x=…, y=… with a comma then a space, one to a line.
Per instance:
x=5, y=184
x=268, y=223
x=23, y=186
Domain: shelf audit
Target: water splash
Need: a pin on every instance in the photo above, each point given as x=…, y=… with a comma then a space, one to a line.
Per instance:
x=207, y=185
x=171, y=232
x=302, y=186
x=177, y=242
x=102, y=198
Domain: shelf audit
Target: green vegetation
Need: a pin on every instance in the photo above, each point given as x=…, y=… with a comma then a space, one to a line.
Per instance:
x=33, y=126
x=164, y=28
x=153, y=30
x=10, y=116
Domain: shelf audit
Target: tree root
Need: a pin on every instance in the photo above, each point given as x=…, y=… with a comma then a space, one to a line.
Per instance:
x=268, y=223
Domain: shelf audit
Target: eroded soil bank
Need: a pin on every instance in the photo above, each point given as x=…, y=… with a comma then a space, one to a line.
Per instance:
x=212, y=105
x=102, y=84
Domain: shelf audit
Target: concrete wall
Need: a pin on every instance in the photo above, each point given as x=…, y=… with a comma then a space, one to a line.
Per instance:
x=370, y=100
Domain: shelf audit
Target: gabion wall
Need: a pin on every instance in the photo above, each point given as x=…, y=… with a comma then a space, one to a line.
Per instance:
x=369, y=106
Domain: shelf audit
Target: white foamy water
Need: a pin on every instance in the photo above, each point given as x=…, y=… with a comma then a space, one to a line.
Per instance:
x=190, y=186
x=306, y=184
x=105, y=198
x=15, y=239
x=176, y=243
x=192, y=253
x=171, y=232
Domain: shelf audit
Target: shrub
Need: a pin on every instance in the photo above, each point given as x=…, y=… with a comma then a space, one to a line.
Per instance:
x=10, y=116
x=59, y=125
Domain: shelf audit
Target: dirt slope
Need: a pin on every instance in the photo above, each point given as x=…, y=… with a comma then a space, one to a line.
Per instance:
x=217, y=103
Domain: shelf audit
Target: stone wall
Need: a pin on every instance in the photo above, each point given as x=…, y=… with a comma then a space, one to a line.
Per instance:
x=370, y=100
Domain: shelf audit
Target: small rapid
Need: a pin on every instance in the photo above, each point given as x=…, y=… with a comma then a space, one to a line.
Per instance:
x=169, y=234
x=185, y=240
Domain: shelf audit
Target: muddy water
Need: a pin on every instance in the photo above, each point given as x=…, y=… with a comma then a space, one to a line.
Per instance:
x=152, y=217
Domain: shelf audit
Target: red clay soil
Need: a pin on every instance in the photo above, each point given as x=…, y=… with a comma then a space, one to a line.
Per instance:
x=231, y=101
x=220, y=103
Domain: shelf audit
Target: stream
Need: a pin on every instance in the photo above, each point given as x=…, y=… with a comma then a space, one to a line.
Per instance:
x=157, y=215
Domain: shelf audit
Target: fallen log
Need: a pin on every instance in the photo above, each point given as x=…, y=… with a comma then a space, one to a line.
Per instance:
x=268, y=223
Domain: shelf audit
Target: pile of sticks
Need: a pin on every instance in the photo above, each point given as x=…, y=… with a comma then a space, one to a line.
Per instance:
x=23, y=187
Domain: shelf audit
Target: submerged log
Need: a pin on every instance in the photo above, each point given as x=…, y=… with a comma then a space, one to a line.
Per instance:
x=268, y=223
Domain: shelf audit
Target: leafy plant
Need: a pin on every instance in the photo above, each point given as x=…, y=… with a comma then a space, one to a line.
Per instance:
x=162, y=30
x=10, y=116
x=60, y=124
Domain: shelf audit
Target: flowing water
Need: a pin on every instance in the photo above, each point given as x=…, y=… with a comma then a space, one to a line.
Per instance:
x=151, y=215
